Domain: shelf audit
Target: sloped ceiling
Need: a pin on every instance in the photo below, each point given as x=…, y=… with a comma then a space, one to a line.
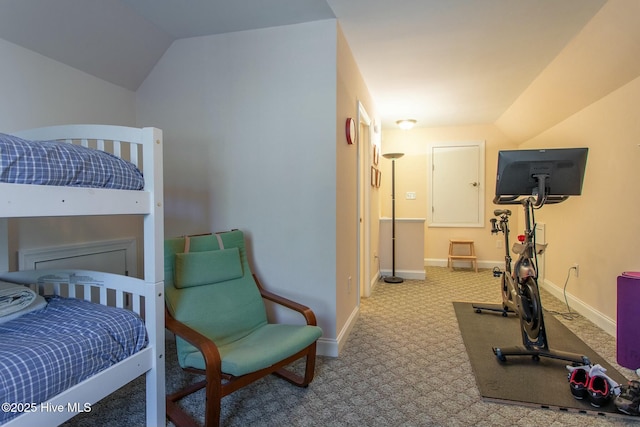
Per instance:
x=441, y=62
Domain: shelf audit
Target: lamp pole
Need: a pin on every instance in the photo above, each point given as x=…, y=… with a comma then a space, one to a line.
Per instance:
x=393, y=278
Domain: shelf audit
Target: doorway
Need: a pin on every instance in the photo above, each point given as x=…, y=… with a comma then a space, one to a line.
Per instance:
x=364, y=217
x=456, y=184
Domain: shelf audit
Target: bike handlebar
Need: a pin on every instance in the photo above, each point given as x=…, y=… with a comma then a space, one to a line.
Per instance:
x=516, y=200
x=537, y=198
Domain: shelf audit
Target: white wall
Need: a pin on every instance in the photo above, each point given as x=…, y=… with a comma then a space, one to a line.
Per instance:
x=37, y=91
x=249, y=126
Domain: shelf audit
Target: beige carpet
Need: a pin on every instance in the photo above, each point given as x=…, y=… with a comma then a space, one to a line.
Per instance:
x=404, y=364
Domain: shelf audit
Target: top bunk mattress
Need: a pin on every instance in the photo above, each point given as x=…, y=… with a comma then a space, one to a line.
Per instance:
x=64, y=164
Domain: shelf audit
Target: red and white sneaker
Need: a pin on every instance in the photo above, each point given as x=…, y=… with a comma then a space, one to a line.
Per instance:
x=579, y=382
x=592, y=382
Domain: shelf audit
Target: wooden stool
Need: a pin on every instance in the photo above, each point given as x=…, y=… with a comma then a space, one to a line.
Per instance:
x=470, y=256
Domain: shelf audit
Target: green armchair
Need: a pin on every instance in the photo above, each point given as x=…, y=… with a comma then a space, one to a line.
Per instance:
x=215, y=307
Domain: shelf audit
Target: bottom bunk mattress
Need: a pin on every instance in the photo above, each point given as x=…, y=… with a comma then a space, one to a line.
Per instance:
x=44, y=352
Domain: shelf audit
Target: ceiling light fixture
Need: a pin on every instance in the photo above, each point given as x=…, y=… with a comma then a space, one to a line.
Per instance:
x=406, y=124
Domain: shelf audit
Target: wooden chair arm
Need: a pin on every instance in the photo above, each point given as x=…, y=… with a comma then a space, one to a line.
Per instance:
x=308, y=314
x=206, y=346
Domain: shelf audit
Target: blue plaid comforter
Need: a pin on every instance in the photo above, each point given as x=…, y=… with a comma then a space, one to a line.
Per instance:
x=61, y=163
x=45, y=352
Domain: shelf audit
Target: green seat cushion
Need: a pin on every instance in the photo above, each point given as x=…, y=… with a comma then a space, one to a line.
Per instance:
x=207, y=267
x=262, y=348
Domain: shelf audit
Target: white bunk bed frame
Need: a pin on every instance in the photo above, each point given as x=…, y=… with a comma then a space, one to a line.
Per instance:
x=22, y=200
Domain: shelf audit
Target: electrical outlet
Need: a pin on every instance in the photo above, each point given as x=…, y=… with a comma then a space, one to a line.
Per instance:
x=499, y=244
x=576, y=269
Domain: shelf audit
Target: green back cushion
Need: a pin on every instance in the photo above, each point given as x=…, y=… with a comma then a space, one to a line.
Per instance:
x=207, y=267
x=219, y=297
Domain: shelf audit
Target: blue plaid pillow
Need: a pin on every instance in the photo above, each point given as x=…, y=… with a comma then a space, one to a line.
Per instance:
x=61, y=163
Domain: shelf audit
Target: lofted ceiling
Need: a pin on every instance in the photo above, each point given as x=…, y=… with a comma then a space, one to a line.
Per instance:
x=441, y=62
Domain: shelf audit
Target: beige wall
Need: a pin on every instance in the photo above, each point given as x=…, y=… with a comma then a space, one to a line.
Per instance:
x=600, y=229
x=587, y=97
x=599, y=60
x=350, y=90
x=412, y=175
x=599, y=72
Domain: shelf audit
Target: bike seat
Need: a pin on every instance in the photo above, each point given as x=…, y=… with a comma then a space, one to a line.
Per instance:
x=519, y=248
x=499, y=212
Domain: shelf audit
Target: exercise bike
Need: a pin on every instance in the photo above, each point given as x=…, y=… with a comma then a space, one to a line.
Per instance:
x=519, y=286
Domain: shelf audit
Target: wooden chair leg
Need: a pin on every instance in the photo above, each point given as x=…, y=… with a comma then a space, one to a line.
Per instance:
x=213, y=399
x=175, y=413
x=177, y=416
x=212, y=406
x=212, y=409
x=309, y=370
x=310, y=366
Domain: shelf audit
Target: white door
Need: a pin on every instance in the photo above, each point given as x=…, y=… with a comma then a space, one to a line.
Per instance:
x=456, y=187
x=363, y=145
x=364, y=217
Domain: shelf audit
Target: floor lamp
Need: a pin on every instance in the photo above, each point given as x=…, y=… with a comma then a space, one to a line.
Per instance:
x=393, y=278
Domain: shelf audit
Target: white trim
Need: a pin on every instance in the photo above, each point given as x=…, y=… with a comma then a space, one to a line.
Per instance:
x=374, y=281
x=442, y=262
x=364, y=195
x=601, y=320
x=28, y=258
x=333, y=346
x=604, y=322
x=327, y=347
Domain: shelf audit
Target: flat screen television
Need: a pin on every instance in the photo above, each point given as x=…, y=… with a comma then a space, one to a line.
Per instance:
x=550, y=174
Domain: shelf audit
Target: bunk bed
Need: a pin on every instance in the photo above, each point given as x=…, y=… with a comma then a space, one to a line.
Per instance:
x=141, y=147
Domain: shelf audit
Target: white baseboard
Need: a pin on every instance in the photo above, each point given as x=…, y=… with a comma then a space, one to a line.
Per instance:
x=327, y=347
x=333, y=346
x=604, y=322
x=434, y=262
x=374, y=281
